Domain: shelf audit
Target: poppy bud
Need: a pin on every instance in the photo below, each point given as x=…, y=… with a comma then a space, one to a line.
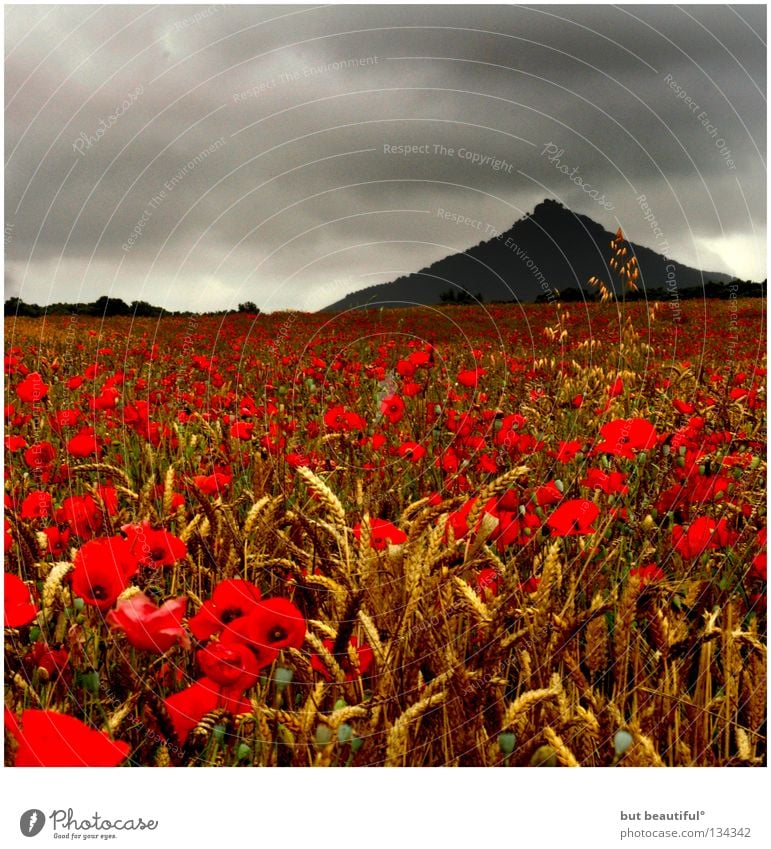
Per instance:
x=282, y=676
x=323, y=735
x=344, y=732
x=218, y=733
x=754, y=464
x=506, y=742
x=89, y=681
x=648, y=523
x=243, y=752
x=356, y=744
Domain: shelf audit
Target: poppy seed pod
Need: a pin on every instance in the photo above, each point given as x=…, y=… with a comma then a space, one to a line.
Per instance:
x=622, y=741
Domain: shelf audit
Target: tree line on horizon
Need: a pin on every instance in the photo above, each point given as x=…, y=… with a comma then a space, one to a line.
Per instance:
x=106, y=307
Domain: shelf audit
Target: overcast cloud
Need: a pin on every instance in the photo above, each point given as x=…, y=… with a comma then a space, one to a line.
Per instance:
x=199, y=156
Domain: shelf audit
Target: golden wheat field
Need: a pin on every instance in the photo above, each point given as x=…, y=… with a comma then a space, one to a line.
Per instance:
x=471, y=536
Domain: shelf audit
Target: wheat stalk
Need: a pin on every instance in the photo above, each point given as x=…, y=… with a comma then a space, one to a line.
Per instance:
x=398, y=735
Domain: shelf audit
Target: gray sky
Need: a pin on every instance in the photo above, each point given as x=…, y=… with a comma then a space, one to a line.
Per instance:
x=198, y=156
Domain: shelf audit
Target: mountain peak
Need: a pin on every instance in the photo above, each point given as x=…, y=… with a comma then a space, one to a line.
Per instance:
x=543, y=253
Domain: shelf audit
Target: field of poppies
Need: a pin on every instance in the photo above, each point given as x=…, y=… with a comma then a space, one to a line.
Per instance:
x=489, y=535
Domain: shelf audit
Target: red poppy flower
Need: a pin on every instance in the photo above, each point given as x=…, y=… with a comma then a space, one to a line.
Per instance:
x=683, y=407
x=153, y=548
x=188, y=707
x=411, y=389
x=102, y=571
x=758, y=567
x=213, y=484
x=82, y=514
x=608, y=482
x=32, y=388
x=64, y=418
x=37, y=505
x=517, y=529
x=422, y=358
x=241, y=430
x=109, y=496
x=355, y=422
x=703, y=534
x=489, y=582
x=548, y=494
x=405, y=368
x=449, y=460
x=231, y=599
x=83, y=444
x=567, y=451
x=648, y=573
x=470, y=377
x=392, y=408
x=57, y=541
x=149, y=627
x=616, y=388
x=40, y=457
x=573, y=518
x=530, y=585
x=364, y=654
x=273, y=625
x=49, y=738
x=231, y=665
x=335, y=418
x=382, y=533
x=15, y=443
x=623, y=436
x=18, y=609
x=295, y=459
x=509, y=500
x=251, y=632
x=708, y=488
x=412, y=451
x=458, y=519
x=487, y=464
x=55, y=662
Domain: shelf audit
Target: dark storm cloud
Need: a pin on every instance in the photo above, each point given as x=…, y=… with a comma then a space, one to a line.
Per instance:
x=201, y=155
